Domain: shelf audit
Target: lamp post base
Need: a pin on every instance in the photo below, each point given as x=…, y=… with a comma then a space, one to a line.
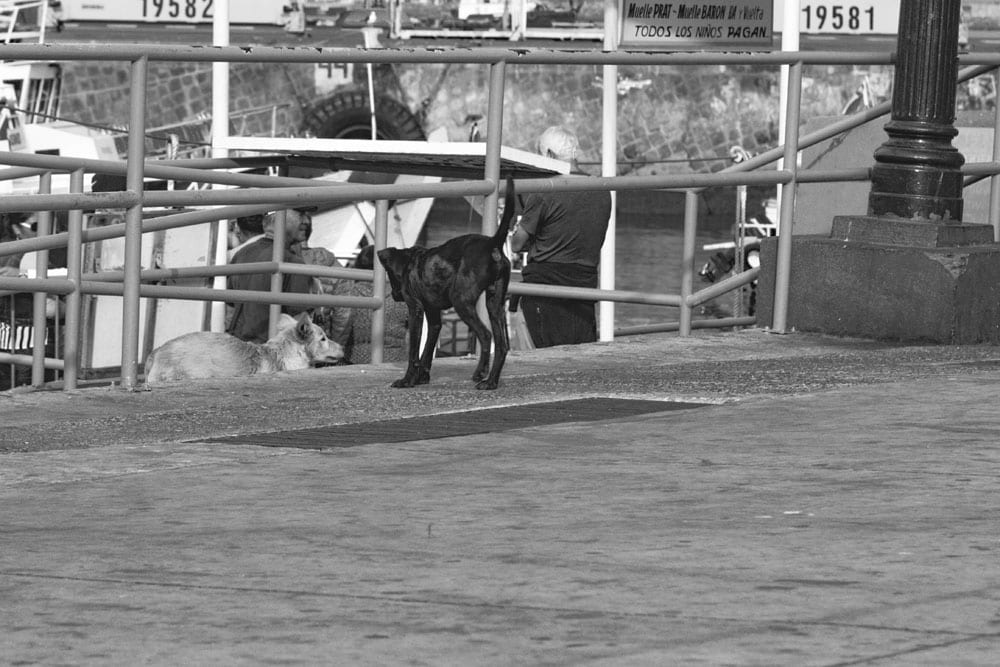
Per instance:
x=908, y=293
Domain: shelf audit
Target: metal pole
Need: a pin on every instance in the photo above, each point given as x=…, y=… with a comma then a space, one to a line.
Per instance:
x=277, y=278
x=491, y=171
x=494, y=130
x=789, y=42
x=220, y=132
x=787, y=212
x=687, y=260
x=378, y=286
x=370, y=35
x=39, y=320
x=609, y=167
x=74, y=300
x=133, y=225
x=995, y=179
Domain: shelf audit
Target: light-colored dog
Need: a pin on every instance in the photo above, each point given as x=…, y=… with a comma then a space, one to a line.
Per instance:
x=298, y=344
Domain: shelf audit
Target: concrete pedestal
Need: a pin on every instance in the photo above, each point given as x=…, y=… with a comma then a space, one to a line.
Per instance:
x=919, y=292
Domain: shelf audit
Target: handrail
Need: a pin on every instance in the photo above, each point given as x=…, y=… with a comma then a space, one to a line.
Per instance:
x=254, y=193
x=435, y=55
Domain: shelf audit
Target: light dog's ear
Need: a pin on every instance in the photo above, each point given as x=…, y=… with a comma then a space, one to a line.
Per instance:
x=304, y=328
x=286, y=321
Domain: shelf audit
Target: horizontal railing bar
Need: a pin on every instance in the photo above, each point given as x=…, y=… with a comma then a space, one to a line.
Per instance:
x=593, y=294
x=715, y=323
x=723, y=286
x=14, y=285
x=313, y=270
x=241, y=296
x=12, y=173
x=833, y=175
x=27, y=360
x=68, y=202
x=478, y=55
x=155, y=224
x=157, y=169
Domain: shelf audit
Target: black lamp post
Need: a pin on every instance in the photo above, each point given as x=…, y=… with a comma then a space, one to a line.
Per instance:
x=917, y=171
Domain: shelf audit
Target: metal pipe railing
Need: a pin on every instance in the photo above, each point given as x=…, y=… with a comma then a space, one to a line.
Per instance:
x=787, y=203
x=39, y=319
x=133, y=224
x=267, y=193
x=437, y=55
x=74, y=300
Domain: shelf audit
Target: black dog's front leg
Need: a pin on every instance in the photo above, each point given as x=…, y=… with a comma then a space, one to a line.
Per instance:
x=415, y=374
x=433, y=331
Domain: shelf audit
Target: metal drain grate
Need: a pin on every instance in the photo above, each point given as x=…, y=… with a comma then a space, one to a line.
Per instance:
x=490, y=420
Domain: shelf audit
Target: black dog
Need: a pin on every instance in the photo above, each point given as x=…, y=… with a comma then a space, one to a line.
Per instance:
x=454, y=274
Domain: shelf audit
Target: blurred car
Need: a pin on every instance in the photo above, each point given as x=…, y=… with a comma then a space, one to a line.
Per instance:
x=545, y=17
x=360, y=18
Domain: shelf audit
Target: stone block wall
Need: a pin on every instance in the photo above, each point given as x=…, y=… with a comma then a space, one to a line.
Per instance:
x=97, y=93
x=670, y=119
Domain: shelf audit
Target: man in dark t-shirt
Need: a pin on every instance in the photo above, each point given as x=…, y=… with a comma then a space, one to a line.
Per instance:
x=249, y=321
x=562, y=233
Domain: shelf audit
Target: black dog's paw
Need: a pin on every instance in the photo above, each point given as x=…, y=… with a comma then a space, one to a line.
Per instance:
x=486, y=384
x=413, y=378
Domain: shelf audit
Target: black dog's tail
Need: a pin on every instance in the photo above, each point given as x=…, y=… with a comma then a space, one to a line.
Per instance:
x=508, y=214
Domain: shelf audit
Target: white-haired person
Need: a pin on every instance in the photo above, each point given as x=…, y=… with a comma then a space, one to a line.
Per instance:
x=562, y=233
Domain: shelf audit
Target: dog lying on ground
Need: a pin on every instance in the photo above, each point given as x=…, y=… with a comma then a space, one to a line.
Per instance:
x=298, y=344
x=453, y=275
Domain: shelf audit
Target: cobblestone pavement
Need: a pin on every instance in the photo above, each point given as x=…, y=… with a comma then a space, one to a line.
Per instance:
x=832, y=502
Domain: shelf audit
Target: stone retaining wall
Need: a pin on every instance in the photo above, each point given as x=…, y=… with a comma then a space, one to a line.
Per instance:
x=670, y=119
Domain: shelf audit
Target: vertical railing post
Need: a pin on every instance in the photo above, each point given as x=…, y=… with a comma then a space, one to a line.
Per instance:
x=491, y=170
x=609, y=167
x=378, y=286
x=779, y=321
x=995, y=179
x=133, y=224
x=687, y=260
x=277, y=278
x=39, y=320
x=74, y=300
x=494, y=132
x=220, y=132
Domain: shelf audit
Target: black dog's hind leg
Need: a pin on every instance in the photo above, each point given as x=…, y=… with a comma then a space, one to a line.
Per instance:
x=476, y=326
x=495, y=297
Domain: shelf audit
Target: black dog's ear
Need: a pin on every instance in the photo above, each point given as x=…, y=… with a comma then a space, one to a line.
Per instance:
x=394, y=260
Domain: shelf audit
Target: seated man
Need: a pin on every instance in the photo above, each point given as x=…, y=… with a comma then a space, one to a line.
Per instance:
x=249, y=321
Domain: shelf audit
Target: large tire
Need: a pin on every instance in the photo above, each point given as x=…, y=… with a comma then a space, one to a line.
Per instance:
x=346, y=115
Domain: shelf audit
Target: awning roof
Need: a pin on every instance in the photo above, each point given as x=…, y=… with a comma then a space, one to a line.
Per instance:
x=425, y=158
